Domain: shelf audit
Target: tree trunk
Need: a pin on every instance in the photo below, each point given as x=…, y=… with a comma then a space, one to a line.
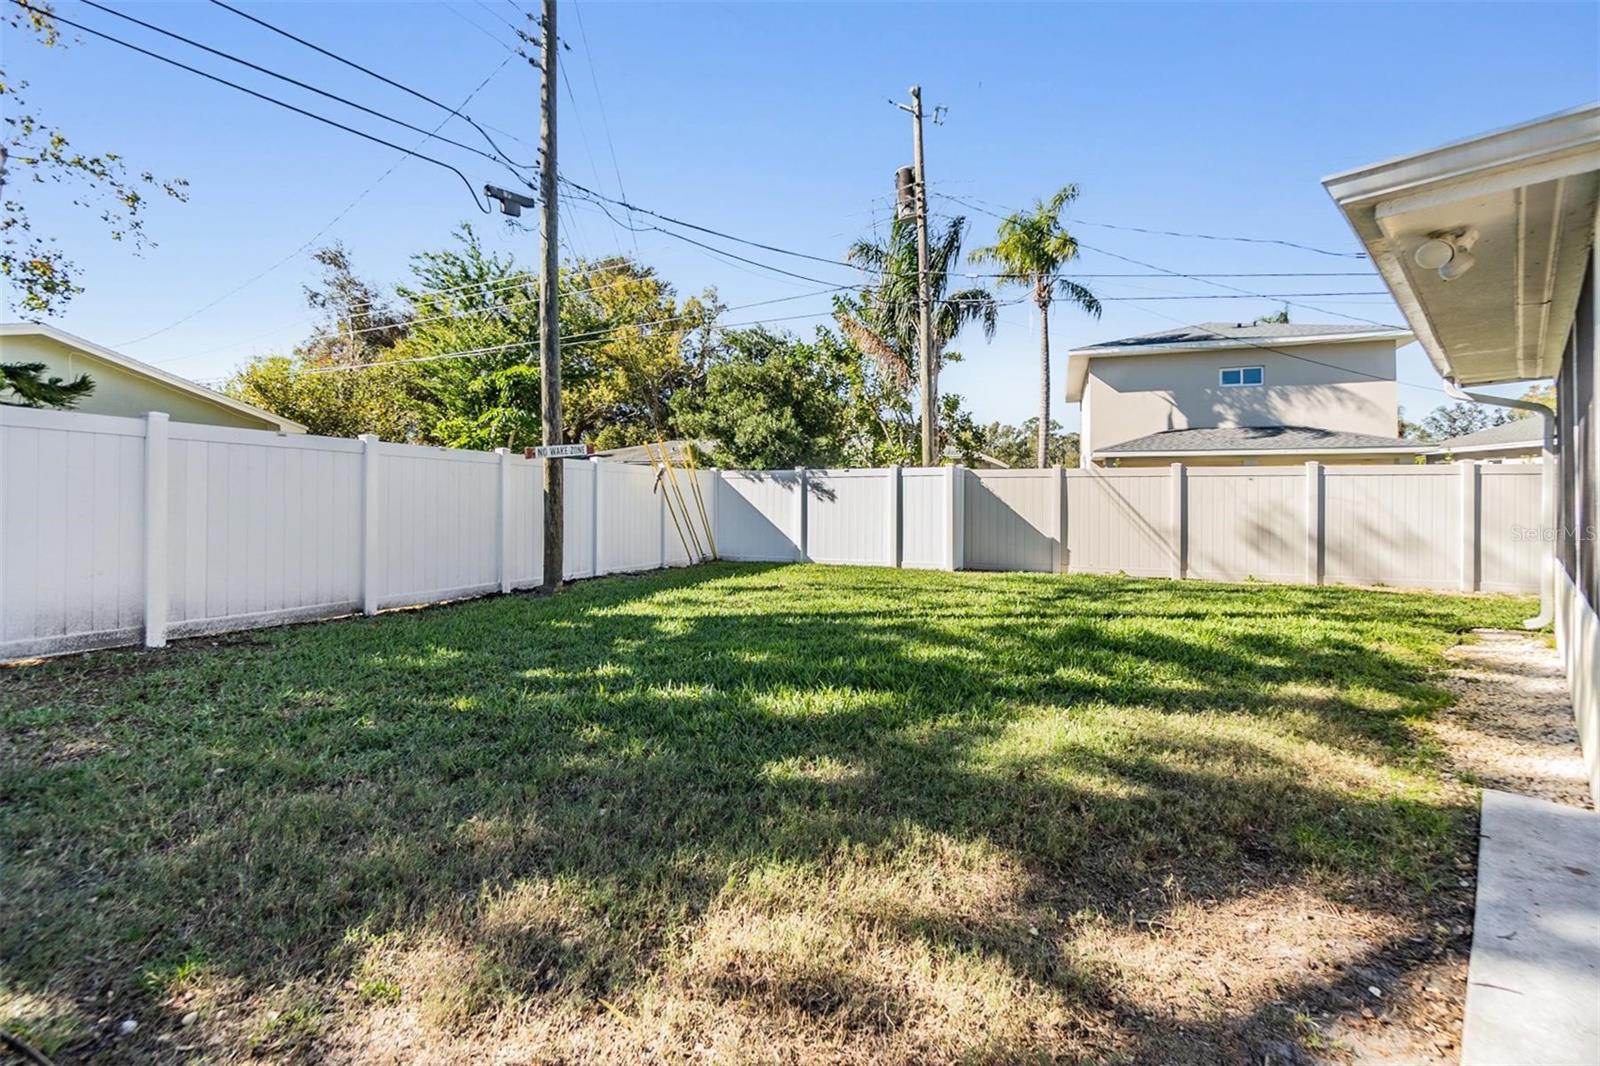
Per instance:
x=1044, y=383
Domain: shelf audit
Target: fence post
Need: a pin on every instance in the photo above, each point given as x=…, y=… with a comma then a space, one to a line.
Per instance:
x=1058, y=549
x=956, y=498
x=503, y=456
x=802, y=491
x=594, y=515
x=1314, y=522
x=662, y=520
x=894, y=515
x=1180, y=521
x=155, y=529
x=369, y=523
x=1469, y=524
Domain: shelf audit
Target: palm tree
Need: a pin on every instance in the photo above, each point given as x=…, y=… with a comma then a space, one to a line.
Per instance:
x=882, y=320
x=1030, y=248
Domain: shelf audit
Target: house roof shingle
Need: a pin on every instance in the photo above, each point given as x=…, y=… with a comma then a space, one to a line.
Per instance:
x=1529, y=430
x=1258, y=439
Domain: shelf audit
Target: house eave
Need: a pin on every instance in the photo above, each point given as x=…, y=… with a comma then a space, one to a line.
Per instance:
x=145, y=370
x=1529, y=192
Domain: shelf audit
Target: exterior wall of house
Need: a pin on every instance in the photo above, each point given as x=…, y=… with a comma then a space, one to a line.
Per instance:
x=118, y=391
x=1285, y=459
x=1577, y=532
x=1347, y=387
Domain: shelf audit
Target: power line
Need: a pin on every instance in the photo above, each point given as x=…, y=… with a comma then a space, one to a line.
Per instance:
x=191, y=42
x=605, y=124
x=381, y=178
x=454, y=111
x=1193, y=236
x=1181, y=274
x=581, y=337
x=260, y=96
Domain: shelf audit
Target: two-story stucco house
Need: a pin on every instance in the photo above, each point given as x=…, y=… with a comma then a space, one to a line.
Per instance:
x=1237, y=394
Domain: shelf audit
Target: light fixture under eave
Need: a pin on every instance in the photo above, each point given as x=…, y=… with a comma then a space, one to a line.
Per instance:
x=1449, y=253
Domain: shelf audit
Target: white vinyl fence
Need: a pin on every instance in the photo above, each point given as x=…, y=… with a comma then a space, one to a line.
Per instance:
x=114, y=530
x=1464, y=526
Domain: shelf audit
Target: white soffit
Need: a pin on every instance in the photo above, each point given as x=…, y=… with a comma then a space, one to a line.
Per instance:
x=1530, y=192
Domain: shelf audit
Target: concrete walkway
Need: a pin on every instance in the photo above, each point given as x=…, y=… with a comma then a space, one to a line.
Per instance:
x=1533, y=983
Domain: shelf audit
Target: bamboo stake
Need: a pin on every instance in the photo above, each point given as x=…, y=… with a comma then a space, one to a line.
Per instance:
x=666, y=499
x=699, y=500
x=672, y=475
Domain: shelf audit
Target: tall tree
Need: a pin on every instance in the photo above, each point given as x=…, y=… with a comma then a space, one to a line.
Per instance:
x=882, y=318
x=42, y=278
x=1459, y=419
x=1031, y=248
x=772, y=402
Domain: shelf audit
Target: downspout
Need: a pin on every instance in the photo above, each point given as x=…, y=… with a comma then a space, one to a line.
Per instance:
x=1547, y=491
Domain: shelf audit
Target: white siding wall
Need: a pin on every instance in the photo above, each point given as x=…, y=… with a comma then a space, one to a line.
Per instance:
x=250, y=528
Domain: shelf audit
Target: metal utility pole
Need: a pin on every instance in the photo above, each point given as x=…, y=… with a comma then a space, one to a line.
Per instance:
x=924, y=310
x=549, y=300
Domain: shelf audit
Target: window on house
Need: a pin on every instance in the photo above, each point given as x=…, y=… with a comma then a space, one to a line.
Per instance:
x=1242, y=375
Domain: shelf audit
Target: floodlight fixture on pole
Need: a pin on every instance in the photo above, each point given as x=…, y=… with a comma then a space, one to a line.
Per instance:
x=511, y=203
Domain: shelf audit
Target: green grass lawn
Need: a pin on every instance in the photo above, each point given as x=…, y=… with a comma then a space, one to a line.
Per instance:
x=742, y=812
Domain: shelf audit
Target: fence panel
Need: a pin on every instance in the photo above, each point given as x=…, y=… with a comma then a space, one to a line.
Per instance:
x=847, y=517
x=1245, y=523
x=260, y=527
x=439, y=531
x=71, y=530
x=1511, y=544
x=577, y=519
x=633, y=541
x=1392, y=525
x=1013, y=519
x=758, y=515
x=924, y=518
x=525, y=553
x=1120, y=521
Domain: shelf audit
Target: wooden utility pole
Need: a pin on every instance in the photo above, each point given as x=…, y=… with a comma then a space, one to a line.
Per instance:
x=930, y=399
x=549, y=300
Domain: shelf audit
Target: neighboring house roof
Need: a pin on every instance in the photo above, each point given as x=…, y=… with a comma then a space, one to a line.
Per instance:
x=1515, y=435
x=145, y=370
x=1522, y=201
x=1245, y=440
x=1213, y=336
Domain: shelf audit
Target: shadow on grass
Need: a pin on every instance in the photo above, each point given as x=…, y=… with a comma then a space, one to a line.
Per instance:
x=569, y=792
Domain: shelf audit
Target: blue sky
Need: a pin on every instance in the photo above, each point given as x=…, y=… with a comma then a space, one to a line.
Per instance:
x=772, y=121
